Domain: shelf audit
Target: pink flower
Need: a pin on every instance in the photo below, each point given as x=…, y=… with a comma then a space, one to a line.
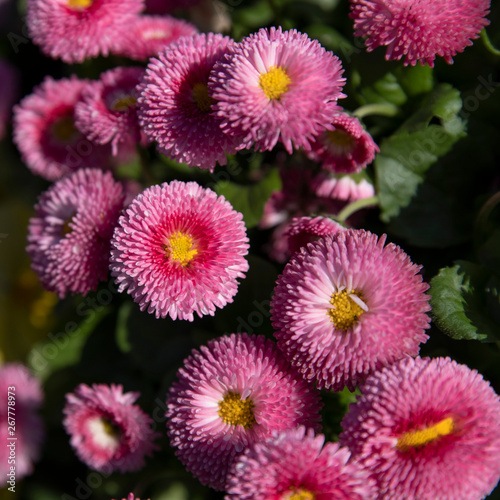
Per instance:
x=69, y=237
x=175, y=107
x=277, y=86
x=148, y=35
x=45, y=133
x=108, y=432
x=419, y=30
x=297, y=465
x=346, y=149
x=347, y=305
x=179, y=249
x=341, y=187
x=21, y=429
x=131, y=496
x=235, y=391
x=75, y=30
x=107, y=112
x=427, y=429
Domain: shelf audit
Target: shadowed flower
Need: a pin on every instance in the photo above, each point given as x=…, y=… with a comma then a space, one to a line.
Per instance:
x=427, y=429
x=108, y=432
x=131, y=496
x=347, y=305
x=419, y=30
x=179, y=250
x=235, y=391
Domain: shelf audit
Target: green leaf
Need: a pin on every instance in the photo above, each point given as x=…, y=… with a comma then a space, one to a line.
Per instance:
x=415, y=80
x=121, y=331
x=387, y=89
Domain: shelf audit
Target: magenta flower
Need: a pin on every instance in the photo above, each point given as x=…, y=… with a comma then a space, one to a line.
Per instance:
x=108, y=432
x=176, y=106
x=45, y=132
x=69, y=236
x=419, y=30
x=107, y=112
x=346, y=149
x=297, y=465
x=347, y=305
x=21, y=429
x=148, y=35
x=427, y=429
x=178, y=250
x=75, y=30
x=235, y=391
x=277, y=86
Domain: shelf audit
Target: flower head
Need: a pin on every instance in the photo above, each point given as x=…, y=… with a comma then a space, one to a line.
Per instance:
x=235, y=391
x=427, y=428
x=347, y=305
x=297, y=465
x=277, y=86
x=176, y=106
x=419, y=30
x=108, y=431
x=69, y=236
x=75, y=30
x=179, y=250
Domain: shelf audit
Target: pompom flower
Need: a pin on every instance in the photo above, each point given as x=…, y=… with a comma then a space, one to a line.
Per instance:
x=277, y=86
x=427, y=429
x=176, y=106
x=346, y=149
x=235, y=391
x=75, y=30
x=108, y=431
x=296, y=465
x=45, y=132
x=107, y=112
x=178, y=250
x=148, y=35
x=21, y=429
x=347, y=305
x=69, y=236
x=419, y=30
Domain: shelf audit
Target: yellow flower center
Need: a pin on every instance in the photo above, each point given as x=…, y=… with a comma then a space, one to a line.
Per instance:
x=298, y=495
x=180, y=248
x=236, y=411
x=110, y=429
x=79, y=4
x=64, y=128
x=346, y=309
x=275, y=82
x=124, y=103
x=201, y=97
x=414, y=439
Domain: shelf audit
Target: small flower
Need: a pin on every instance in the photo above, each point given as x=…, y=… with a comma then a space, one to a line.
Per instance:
x=296, y=465
x=108, y=432
x=347, y=305
x=235, y=391
x=179, y=249
x=427, y=428
x=107, y=112
x=419, y=30
x=21, y=398
x=69, y=237
x=75, y=30
x=176, y=106
x=277, y=86
x=341, y=187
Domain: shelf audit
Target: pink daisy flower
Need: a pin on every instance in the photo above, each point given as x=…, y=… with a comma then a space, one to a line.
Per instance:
x=297, y=465
x=176, y=106
x=341, y=187
x=45, y=132
x=178, y=250
x=427, y=429
x=69, y=236
x=107, y=112
x=75, y=30
x=235, y=391
x=21, y=429
x=419, y=30
x=148, y=35
x=108, y=431
x=346, y=149
x=277, y=86
x=347, y=305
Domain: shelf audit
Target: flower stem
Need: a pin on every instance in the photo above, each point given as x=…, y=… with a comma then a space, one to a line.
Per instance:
x=354, y=206
x=488, y=44
x=384, y=109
